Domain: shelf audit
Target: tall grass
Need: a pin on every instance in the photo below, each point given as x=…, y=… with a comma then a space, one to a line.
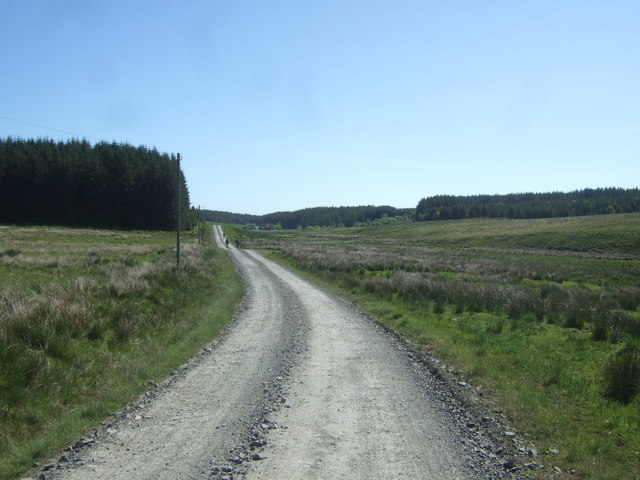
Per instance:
x=622, y=375
x=35, y=317
x=564, y=293
x=80, y=335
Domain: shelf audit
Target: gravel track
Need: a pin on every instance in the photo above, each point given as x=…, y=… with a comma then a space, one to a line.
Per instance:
x=300, y=386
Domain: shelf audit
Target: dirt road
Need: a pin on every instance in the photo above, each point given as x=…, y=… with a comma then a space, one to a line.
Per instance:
x=301, y=386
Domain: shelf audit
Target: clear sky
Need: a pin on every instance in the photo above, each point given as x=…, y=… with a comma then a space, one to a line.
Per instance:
x=286, y=104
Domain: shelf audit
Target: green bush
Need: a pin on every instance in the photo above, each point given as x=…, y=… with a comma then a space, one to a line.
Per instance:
x=622, y=375
x=629, y=298
x=600, y=329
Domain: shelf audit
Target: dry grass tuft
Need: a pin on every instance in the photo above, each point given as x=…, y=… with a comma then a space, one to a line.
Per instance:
x=34, y=317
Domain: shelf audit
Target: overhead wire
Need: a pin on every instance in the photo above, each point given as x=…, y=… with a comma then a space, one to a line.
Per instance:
x=45, y=127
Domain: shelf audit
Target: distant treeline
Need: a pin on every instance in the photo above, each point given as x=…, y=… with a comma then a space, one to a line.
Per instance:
x=316, y=217
x=530, y=205
x=217, y=216
x=109, y=185
x=448, y=207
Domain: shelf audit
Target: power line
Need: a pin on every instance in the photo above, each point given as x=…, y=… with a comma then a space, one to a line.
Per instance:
x=44, y=126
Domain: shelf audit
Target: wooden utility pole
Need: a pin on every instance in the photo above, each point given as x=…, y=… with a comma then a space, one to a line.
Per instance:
x=178, y=226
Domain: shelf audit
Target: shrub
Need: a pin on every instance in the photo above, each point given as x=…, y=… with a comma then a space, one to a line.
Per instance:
x=573, y=319
x=629, y=298
x=350, y=282
x=410, y=286
x=522, y=302
x=574, y=314
x=438, y=307
x=622, y=375
x=380, y=286
x=497, y=327
x=626, y=323
x=600, y=329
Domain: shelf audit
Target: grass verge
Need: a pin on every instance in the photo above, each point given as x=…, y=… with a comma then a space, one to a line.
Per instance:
x=88, y=318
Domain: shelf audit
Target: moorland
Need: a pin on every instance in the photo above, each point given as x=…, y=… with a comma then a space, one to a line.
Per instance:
x=540, y=316
x=89, y=318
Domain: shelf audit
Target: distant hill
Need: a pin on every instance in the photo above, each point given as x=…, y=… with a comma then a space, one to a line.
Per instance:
x=316, y=217
x=530, y=205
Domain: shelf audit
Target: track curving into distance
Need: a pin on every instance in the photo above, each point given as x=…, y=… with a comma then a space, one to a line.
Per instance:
x=300, y=386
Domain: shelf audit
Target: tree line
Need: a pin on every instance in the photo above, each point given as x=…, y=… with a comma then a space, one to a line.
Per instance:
x=106, y=185
x=530, y=205
x=448, y=207
x=316, y=217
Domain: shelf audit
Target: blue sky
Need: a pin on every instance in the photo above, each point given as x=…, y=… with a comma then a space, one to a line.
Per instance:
x=281, y=105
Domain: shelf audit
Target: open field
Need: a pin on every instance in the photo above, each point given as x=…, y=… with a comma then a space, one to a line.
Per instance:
x=88, y=318
x=541, y=317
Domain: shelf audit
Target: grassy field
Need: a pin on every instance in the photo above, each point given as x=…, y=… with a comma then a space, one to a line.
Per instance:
x=541, y=316
x=88, y=318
